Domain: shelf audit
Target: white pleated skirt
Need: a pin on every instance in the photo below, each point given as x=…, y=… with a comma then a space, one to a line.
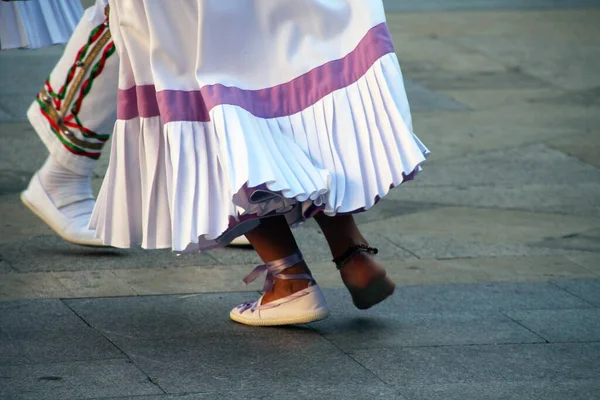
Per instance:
x=37, y=23
x=234, y=111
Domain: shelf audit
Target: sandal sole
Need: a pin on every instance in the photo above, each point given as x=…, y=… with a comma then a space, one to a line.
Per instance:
x=303, y=319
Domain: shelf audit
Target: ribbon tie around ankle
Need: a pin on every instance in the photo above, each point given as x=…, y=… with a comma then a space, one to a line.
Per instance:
x=275, y=268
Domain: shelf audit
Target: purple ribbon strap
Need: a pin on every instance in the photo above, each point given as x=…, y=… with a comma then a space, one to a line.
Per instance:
x=275, y=268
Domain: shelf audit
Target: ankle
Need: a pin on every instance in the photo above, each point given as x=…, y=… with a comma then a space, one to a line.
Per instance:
x=361, y=270
x=63, y=185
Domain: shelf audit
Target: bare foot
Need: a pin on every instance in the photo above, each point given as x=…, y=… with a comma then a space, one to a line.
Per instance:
x=366, y=280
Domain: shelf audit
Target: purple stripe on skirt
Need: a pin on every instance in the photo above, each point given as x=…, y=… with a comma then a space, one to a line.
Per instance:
x=277, y=101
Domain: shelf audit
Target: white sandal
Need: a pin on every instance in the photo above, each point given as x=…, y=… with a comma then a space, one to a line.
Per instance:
x=304, y=306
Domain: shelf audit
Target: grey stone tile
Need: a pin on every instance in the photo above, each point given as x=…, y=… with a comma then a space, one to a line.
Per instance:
x=156, y=317
x=16, y=105
x=428, y=247
x=226, y=361
x=24, y=71
x=21, y=150
x=584, y=241
x=188, y=344
x=561, y=325
x=5, y=115
x=309, y=390
x=547, y=390
x=51, y=253
x=45, y=331
x=5, y=267
x=423, y=99
x=483, y=364
x=355, y=330
x=75, y=380
x=505, y=168
x=391, y=208
x=13, y=181
x=481, y=297
x=583, y=146
x=443, y=80
x=588, y=98
x=561, y=197
x=588, y=290
x=540, y=56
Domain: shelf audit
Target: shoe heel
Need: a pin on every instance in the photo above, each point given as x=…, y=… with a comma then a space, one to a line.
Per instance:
x=364, y=298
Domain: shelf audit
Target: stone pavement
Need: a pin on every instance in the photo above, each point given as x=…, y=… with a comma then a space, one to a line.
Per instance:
x=496, y=245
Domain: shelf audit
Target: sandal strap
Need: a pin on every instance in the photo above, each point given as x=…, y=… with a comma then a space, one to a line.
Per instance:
x=275, y=269
x=351, y=252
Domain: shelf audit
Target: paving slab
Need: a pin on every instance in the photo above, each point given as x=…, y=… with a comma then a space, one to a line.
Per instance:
x=421, y=53
x=584, y=146
x=45, y=331
x=12, y=181
x=17, y=221
x=584, y=241
x=535, y=363
x=227, y=278
x=564, y=62
x=473, y=224
x=561, y=197
x=224, y=362
x=103, y=283
x=423, y=99
x=14, y=286
x=5, y=115
x=572, y=24
x=74, y=380
x=188, y=343
x=472, y=132
x=20, y=149
x=581, y=389
x=579, y=325
x=17, y=104
x=478, y=99
x=51, y=253
x=481, y=297
x=589, y=261
x=354, y=330
x=588, y=290
x=426, y=247
x=516, y=167
x=348, y=391
x=218, y=278
x=5, y=267
x=487, y=269
x=166, y=317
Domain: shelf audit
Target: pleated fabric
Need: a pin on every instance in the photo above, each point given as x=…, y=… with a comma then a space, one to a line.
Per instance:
x=38, y=23
x=194, y=174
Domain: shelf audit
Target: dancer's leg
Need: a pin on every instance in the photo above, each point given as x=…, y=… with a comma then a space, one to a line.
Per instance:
x=73, y=115
x=362, y=274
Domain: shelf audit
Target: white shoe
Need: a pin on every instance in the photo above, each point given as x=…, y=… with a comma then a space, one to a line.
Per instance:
x=306, y=305
x=240, y=241
x=74, y=230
